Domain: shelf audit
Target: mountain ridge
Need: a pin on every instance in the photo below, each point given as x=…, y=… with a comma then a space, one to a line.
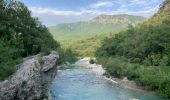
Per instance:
x=104, y=15
x=98, y=25
x=120, y=18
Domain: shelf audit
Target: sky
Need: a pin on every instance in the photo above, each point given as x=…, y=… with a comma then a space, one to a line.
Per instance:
x=52, y=12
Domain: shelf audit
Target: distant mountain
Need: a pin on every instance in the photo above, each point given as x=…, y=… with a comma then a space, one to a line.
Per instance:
x=117, y=19
x=98, y=25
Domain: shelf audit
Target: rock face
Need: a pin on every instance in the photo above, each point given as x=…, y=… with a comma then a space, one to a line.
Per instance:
x=31, y=81
x=49, y=61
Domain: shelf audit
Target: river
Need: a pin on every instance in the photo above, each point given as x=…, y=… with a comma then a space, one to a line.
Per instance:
x=80, y=83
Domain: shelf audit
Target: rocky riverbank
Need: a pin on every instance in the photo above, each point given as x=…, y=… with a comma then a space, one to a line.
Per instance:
x=124, y=83
x=31, y=80
x=97, y=69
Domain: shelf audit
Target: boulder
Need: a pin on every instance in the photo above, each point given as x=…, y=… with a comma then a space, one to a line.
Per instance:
x=30, y=82
x=49, y=61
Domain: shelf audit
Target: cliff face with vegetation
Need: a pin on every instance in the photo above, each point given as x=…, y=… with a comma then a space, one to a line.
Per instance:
x=31, y=80
x=141, y=53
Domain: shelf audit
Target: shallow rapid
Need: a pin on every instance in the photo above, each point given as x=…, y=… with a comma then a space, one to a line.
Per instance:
x=79, y=83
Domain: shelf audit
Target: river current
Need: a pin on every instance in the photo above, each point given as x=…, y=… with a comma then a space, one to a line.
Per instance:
x=79, y=83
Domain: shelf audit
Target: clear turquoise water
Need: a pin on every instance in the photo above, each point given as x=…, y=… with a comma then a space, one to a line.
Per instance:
x=78, y=83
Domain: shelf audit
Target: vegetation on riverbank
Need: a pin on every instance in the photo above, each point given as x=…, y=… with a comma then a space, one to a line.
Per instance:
x=66, y=56
x=151, y=77
x=141, y=53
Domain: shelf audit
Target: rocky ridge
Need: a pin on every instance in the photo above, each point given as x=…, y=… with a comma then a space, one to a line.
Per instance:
x=117, y=19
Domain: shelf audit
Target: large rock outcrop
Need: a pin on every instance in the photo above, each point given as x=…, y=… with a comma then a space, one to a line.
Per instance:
x=31, y=80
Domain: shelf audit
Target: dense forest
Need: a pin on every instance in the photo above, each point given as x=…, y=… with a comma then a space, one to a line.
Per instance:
x=20, y=36
x=141, y=53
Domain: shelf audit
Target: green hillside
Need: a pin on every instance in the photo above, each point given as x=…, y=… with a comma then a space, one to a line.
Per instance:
x=141, y=53
x=87, y=47
x=100, y=24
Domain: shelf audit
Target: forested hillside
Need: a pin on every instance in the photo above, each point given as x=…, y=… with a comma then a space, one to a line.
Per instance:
x=98, y=25
x=87, y=47
x=20, y=36
x=85, y=37
x=141, y=53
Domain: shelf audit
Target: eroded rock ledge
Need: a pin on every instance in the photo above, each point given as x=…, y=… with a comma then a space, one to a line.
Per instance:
x=31, y=80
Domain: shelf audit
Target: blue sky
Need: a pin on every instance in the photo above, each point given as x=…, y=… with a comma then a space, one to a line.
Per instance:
x=52, y=12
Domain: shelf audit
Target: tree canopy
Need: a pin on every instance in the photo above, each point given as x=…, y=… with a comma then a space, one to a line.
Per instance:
x=21, y=35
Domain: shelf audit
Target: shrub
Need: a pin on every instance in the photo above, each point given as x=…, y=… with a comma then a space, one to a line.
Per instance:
x=114, y=67
x=164, y=61
x=92, y=61
x=164, y=89
x=133, y=71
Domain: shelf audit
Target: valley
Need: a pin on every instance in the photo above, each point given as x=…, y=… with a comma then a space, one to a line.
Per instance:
x=91, y=50
x=85, y=37
x=96, y=26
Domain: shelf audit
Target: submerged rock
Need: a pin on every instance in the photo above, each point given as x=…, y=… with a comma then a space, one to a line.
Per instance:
x=31, y=80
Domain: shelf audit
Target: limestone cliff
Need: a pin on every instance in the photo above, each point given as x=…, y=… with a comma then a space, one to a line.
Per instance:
x=31, y=80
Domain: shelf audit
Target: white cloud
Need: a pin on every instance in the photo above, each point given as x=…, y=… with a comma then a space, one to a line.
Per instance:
x=123, y=6
x=51, y=11
x=139, y=2
x=50, y=16
x=146, y=12
x=57, y=12
x=101, y=4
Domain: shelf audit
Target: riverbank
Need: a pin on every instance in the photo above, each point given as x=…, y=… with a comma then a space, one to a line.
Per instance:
x=127, y=84
x=124, y=83
x=80, y=83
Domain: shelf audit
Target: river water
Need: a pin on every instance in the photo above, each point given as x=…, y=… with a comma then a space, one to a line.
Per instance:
x=79, y=83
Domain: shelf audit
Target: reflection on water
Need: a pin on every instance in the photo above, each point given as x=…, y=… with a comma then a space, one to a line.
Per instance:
x=80, y=84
